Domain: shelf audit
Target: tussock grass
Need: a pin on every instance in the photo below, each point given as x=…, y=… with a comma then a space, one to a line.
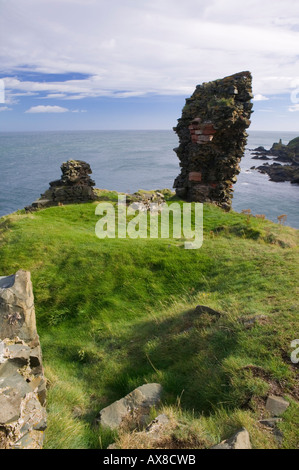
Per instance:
x=114, y=314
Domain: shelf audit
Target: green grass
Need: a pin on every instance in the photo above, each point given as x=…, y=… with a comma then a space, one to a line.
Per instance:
x=113, y=314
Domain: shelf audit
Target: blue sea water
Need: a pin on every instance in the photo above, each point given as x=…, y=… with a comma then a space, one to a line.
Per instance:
x=128, y=161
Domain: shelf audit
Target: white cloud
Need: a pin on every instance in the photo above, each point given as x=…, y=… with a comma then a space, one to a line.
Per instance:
x=260, y=97
x=294, y=107
x=5, y=108
x=141, y=47
x=46, y=109
x=53, y=95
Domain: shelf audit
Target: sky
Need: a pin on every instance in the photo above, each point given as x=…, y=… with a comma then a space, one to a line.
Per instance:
x=130, y=64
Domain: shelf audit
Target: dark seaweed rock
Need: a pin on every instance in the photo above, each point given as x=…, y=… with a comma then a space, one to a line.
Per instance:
x=284, y=153
x=280, y=173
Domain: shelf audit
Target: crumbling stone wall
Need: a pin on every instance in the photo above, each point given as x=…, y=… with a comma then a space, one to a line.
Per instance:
x=212, y=136
x=22, y=381
x=74, y=186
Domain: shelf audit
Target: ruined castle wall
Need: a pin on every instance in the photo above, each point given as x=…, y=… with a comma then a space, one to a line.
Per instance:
x=212, y=136
x=22, y=381
x=75, y=186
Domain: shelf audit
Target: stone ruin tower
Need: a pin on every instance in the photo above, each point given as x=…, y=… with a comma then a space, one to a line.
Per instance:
x=212, y=136
x=74, y=186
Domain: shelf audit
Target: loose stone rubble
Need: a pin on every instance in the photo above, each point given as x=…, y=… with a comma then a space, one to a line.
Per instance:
x=212, y=139
x=74, y=186
x=22, y=382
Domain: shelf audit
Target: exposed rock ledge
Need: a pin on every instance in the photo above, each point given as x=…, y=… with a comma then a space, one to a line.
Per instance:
x=22, y=381
x=287, y=154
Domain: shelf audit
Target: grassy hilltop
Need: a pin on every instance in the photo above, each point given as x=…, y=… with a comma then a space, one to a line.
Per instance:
x=113, y=314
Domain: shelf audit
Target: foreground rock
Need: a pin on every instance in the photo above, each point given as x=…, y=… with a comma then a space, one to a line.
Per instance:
x=22, y=382
x=288, y=154
x=240, y=440
x=276, y=405
x=212, y=134
x=135, y=406
x=74, y=186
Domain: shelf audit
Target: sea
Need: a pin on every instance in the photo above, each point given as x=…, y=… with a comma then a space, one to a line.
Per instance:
x=127, y=161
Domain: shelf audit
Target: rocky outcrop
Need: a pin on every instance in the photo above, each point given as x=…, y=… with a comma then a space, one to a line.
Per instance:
x=212, y=139
x=134, y=406
x=288, y=154
x=74, y=186
x=280, y=173
x=22, y=382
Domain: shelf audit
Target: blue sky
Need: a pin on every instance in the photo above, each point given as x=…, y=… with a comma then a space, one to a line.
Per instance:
x=130, y=64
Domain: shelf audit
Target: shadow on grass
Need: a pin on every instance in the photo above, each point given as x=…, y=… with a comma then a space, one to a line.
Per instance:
x=184, y=353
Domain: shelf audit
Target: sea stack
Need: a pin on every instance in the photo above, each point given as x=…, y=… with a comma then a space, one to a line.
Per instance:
x=212, y=136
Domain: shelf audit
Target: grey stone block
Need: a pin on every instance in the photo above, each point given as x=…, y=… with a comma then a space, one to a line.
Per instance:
x=276, y=405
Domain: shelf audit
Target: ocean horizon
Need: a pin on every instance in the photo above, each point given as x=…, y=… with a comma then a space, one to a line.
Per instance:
x=127, y=161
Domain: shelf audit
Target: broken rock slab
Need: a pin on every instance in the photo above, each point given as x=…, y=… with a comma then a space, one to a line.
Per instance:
x=139, y=401
x=240, y=440
x=276, y=405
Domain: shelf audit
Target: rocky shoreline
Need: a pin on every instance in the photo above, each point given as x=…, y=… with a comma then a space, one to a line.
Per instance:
x=288, y=154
